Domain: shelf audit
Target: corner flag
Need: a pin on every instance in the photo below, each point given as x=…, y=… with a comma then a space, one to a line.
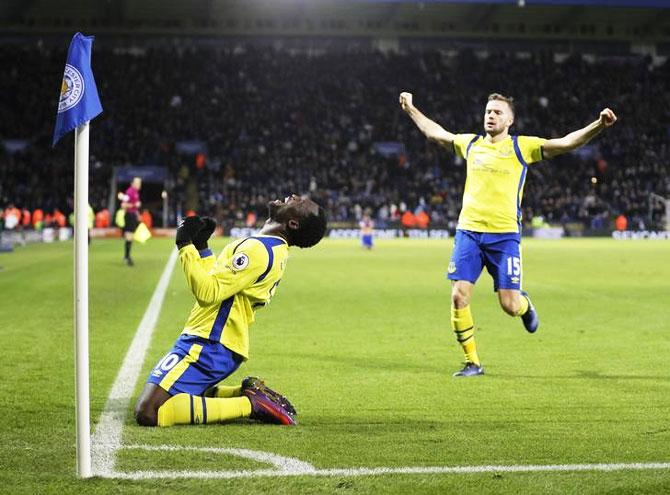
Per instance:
x=78, y=104
x=79, y=101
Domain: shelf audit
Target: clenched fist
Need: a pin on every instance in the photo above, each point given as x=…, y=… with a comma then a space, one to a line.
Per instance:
x=186, y=229
x=406, y=101
x=607, y=117
x=201, y=237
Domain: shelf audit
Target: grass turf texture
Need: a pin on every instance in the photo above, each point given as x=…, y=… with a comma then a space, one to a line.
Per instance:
x=360, y=342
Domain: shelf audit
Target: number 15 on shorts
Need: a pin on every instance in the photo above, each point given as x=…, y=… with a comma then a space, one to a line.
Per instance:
x=513, y=266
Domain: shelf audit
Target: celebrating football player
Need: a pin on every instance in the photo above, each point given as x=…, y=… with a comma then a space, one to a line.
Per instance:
x=185, y=386
x=489, y=226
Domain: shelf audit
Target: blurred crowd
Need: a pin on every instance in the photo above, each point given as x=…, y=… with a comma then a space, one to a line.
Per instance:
x=270, y=122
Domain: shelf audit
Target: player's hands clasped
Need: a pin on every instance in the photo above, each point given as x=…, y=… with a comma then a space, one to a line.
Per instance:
x=406, y=101
x=607, y=117
x=202, y=236
x=187, y=229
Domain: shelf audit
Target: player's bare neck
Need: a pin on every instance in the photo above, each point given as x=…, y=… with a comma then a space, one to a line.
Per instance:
x=496, y=138
x=273, y=228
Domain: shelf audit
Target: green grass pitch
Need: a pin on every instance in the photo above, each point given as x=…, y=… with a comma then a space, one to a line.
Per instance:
x=360, y=342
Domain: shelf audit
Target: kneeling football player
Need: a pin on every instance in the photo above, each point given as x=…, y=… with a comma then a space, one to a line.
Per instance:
x=185, y=386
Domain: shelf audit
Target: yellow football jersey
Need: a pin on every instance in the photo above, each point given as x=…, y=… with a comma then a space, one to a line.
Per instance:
x=496, y=173
x=230, y=289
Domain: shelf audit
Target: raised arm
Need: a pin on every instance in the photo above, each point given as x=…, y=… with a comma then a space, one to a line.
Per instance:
x=431, y=129
x=572, y=141
x=212, y=287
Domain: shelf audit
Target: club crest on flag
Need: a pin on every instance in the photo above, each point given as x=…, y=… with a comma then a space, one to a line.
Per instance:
x=72, y=88
x=78, y=101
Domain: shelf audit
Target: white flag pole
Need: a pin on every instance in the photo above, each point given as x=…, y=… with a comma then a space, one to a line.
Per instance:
x=82, y=401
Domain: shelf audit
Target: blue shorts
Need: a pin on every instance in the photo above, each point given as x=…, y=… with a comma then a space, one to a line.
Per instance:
x=499, y=253
x=366, y=240
x=193, y=365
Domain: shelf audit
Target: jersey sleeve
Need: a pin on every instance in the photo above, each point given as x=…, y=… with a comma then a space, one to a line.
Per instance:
x=207, y=259
x=461, y=142
x=227, y=277
x=531, y=148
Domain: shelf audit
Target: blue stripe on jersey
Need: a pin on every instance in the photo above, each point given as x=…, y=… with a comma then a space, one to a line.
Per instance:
x=221, y=318
x=242, y=242
x=269, y=243
x=467, y=150
x=517, y=150
x=522, y=179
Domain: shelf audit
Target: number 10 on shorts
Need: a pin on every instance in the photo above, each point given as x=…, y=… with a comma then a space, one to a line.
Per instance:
x=513, y=266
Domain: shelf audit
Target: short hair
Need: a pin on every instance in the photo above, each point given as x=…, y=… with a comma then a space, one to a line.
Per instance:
x=311, y=231
x=507, y=99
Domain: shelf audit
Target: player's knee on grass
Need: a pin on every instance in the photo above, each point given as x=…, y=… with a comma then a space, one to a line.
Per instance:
x=146, y=414
x=150, y=400
x=146, y=409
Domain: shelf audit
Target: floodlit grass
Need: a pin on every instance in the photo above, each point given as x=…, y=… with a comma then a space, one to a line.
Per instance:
x=360, y=342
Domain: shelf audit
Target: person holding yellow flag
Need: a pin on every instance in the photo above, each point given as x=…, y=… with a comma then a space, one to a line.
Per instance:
x=130, y=203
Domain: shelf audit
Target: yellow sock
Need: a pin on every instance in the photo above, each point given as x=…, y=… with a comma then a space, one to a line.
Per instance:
x=523, y=308
x=224, y=391
x=175, y=411
x=220, y=410
x=185, y=409
x=464, y=328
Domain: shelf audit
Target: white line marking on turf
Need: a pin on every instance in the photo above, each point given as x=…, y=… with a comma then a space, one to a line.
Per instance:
x=143, y=475
x=282, y=464
x=107, y=437
x=287, y=466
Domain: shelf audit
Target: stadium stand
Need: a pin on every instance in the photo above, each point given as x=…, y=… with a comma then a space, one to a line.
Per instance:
x=269, y=122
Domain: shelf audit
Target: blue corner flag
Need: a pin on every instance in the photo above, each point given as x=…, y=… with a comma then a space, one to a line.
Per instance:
x=79, y=101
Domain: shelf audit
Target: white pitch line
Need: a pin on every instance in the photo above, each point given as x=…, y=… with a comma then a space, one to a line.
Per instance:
x=287, y=466
x=107, y=437
x=269, y=473
x=281, y=463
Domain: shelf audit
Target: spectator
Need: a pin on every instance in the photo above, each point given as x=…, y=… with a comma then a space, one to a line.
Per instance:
x=422, y=219
x=408, y=220
x=319, y=136
x=621, y=222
